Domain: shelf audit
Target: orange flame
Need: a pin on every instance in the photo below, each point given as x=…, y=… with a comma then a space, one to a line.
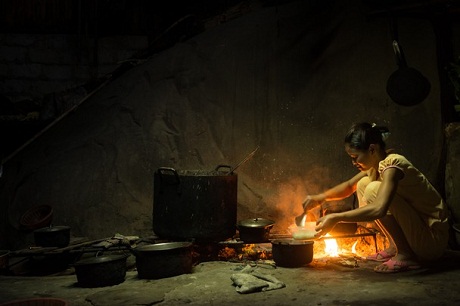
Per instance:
x=331, y=247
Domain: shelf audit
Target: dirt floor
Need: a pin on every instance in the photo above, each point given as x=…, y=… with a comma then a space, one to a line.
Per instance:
x=325, y=281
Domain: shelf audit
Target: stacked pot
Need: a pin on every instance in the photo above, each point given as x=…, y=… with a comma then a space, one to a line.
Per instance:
x=101, y=271
x=161, y=260
x=53, y=236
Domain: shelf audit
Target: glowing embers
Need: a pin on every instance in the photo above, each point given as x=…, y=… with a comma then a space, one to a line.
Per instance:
x=245, y=252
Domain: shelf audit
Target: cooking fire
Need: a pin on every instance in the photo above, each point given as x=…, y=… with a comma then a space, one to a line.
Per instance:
x=343, y=250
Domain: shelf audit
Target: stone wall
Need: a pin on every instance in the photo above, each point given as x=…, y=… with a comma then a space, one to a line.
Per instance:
x=452, y=180
x=32, y=66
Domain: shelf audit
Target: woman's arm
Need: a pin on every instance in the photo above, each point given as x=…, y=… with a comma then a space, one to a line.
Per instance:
x=338, y=192
x=369, y=212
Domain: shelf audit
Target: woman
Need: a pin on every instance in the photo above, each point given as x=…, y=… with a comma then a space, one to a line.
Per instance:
x=394, y=194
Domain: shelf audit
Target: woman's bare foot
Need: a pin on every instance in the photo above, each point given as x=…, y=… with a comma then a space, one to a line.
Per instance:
x=393, y=265
x=382, y=255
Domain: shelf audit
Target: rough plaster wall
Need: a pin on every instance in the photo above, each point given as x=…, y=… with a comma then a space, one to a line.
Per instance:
x=453, y=169
x=287, y=79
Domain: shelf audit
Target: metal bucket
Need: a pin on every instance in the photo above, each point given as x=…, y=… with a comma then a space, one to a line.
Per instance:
x=195, y=204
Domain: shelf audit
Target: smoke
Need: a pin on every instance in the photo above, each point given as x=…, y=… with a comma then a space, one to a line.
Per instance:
x=291, y=194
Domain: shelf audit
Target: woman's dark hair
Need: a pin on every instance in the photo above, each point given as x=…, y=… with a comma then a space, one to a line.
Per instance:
x=362, y=135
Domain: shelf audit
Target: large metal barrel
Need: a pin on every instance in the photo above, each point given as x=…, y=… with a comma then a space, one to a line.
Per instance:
x=195, y=204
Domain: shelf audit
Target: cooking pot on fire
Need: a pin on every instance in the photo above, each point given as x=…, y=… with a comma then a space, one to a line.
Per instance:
x=292, y=253
x=255, y=230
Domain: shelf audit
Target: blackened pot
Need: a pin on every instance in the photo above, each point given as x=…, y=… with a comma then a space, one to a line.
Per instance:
x=54, y=236
x=292, y=253
x=195, y=204
x=255, y=230
x=107, y=270
x=161, y=260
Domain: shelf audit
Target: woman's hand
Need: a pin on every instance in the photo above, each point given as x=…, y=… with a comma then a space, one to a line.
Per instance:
x=325, y=224
x=311, y=201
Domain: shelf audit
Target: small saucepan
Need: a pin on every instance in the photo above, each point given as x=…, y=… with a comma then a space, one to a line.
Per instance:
x=255, y=230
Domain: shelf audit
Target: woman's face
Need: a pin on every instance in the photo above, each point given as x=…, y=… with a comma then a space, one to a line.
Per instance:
x=361, y=159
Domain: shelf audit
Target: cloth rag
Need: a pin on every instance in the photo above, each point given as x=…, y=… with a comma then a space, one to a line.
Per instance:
x=255, y=282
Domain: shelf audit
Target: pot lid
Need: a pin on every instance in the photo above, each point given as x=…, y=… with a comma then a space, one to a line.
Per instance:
x=52, y=229
x=100, y=259
x=164, y=246
x=256, y=222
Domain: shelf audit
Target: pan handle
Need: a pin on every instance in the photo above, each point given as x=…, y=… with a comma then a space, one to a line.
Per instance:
x=224, y=166
x=400, y=59
x=163, y=170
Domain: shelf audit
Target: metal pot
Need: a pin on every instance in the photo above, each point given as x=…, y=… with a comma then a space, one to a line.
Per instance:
x=292, y=253
x=255, y=230
x=54, y=236
x=195, y=204
x=107, y=270
x=161, y=260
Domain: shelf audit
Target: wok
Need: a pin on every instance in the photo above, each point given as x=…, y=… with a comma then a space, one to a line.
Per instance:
x=405, y=86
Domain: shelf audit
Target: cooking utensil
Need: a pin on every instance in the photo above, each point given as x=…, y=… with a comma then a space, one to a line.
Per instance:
x=53, y=236
x=37, y=217
x=255, y=230
x=292, y=253
x=194, y=204
x=246, y=158
x=406, y=86
x=107, y=270
x=161, y=260
x=300, y=219
x=307, y=231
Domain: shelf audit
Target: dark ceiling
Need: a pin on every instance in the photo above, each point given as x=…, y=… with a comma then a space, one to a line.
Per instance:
x=146, y=17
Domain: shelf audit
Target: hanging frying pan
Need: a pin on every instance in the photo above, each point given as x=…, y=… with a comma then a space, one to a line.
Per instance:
x=406, y=86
